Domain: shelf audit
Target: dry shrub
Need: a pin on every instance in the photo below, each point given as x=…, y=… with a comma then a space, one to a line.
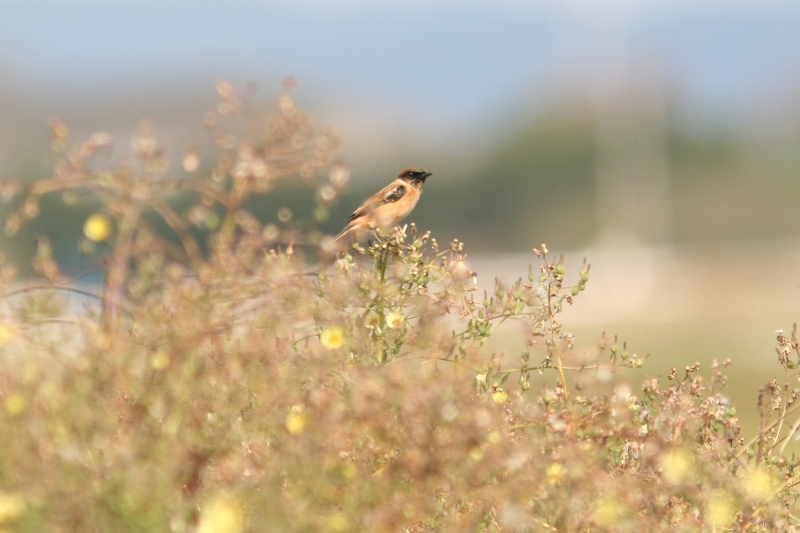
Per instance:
x=217, y=387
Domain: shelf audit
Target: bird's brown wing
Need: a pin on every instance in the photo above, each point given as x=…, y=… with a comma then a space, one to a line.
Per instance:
x=393, y=194
x=390, y=193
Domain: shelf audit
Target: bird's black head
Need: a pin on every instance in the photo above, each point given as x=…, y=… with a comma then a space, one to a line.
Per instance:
x=414, y=175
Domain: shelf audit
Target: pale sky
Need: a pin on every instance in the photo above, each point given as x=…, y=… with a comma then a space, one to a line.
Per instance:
x=448, y=61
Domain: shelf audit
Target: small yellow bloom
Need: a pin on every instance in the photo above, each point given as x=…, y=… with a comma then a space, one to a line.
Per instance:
x=394, y=319
x=97, y=228
x=30, y=374
x=15, y=404
x=332, y=337
x=338, y=522
x=349, y=471
x=476, y=454
x=554, y=473
x=222, y=515
x=6, y=334
x=12, y=507
x=296, y=421
x=758, y=484
x=500, y=396
x=607, y=513
x=373, y=322
x=160, y=360
x=677, y=466
x=719, y=510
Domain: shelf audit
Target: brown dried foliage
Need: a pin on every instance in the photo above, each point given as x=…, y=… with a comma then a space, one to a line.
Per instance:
x=215, y=387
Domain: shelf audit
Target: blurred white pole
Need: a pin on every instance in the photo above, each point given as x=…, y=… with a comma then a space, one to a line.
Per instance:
x=632, y=171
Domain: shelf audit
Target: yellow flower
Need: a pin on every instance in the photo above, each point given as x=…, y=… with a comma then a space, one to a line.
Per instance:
x=12, y=507
x=500, y=396
x=15, y=404
x=296, y=420
x=97, y=228
x=677, y=466
x=373, y=322
x=338, y=522
x=554, y=473
x=607, y=512
x=476, y=454
x=349, y=471
x=160, y=360
x=6, y=334
x=394, y=319
x=758, y=484
x=222, y=515
x=332, y=337
x=720, y=510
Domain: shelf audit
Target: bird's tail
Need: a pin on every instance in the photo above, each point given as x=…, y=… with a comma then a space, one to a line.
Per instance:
x=345, y=232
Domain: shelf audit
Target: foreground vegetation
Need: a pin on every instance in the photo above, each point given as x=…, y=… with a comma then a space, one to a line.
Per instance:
x=213, y=384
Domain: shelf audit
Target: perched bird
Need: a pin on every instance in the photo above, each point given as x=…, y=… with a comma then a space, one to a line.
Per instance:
x=388, y=206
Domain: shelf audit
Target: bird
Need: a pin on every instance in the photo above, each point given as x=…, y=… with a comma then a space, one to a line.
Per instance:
x=387, y=207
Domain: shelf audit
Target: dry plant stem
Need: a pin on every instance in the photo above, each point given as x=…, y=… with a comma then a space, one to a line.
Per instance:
x=454, y=362
x=784, y=406
x=56, y=184
x=381, y=262
x=181, y=229
x=786, y=439
x=41, y=286
x=795, y=344
x=232, y=204
x=562, y=376
x=116, y=273
x=554, y=337
x=762, y=431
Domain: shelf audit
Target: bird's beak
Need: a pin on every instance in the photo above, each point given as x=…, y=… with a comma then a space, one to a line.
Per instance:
x=426, y=174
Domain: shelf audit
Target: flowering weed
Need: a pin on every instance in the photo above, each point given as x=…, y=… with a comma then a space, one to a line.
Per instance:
x=217, y=386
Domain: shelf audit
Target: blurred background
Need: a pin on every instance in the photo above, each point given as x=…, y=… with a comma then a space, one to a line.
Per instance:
x=658, y=139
